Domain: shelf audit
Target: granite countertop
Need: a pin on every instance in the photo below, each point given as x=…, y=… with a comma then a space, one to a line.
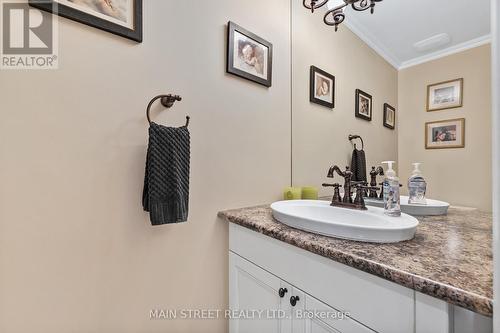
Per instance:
x=450, y=257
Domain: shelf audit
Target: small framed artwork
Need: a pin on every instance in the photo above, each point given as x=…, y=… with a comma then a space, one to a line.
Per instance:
x=322, y=87
x=445, y=95
x=389, y=116
x=249, y=56
x=363, y=105
x=120, y=17
x=445, y=134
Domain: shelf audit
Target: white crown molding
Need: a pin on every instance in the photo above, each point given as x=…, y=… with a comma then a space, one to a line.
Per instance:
x=372, y=42
x=384, y=52
x=446, y=52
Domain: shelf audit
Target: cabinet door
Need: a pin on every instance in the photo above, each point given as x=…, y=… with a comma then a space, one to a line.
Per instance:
x=255, y=293
x=312, y=316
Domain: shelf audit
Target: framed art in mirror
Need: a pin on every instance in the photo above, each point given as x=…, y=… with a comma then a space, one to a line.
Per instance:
x=444, y=134
x=389, y=116
x=445, y=95
x=363, y=105
x=321, y=87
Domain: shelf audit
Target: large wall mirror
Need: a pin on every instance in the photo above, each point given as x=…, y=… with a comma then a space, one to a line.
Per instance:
x=421, y=95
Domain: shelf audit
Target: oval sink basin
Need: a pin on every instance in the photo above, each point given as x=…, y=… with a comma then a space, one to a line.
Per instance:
x=433, y=207
x=319, y=217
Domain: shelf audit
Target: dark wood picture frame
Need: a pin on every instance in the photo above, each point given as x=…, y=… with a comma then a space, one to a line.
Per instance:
x=358, y=114
x=386, y=124
x=231, y=69
x=94, y=21
x=312, y=87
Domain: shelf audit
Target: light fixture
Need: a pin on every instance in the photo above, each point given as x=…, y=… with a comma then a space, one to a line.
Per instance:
x=432, y=43
x=335, y=14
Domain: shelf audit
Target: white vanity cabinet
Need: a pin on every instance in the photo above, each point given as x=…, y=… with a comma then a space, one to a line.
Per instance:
x=264, y=274
x=274, y=306
x=253, y=289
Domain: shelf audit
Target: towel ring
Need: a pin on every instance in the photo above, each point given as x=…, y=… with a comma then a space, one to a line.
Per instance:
x=167, y=101
x=353, y=137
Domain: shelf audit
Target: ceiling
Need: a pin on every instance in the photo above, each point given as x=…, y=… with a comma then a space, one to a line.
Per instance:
x=397, y=25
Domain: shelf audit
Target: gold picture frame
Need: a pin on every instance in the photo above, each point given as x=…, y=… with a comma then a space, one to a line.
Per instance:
x=450, y=134
x=445, y=95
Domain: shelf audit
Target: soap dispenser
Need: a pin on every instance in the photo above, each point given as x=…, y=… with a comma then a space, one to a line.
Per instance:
x=392, y=206
x=417, y=186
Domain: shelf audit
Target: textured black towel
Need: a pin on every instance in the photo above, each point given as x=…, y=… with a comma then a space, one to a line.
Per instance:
x=166, y=183
x=358, y=165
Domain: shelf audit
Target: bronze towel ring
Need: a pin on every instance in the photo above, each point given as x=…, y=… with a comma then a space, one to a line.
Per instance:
x=167, y=101
x=353, y=137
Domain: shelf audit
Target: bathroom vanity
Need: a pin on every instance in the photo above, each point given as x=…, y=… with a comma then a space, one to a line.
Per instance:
x=440, y=281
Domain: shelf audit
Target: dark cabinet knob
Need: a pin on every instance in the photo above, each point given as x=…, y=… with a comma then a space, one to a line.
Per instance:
x=282, y=292
x=294, y=300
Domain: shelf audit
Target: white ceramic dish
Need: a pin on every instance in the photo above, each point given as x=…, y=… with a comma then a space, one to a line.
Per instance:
x=433, y=207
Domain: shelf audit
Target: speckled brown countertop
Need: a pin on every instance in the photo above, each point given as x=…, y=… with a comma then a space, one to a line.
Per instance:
x=450, y=257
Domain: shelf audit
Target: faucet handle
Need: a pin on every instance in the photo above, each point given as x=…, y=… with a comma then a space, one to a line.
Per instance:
x=382, y=184
x=336, y=192
x=336, y=185
x=374, y=188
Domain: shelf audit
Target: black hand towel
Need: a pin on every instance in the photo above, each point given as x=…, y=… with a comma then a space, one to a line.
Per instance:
x=358, y=165
x=166, y=182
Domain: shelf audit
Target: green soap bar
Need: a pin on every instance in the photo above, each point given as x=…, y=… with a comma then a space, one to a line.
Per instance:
x=292, y=193
x=309, y=193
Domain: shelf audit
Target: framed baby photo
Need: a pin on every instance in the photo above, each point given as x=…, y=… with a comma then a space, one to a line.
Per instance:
x=249, y=56
x=119, y=17
x=363, y=105
x=445, y=134
x=445, y=95
x=322, y=87
x=389, y=116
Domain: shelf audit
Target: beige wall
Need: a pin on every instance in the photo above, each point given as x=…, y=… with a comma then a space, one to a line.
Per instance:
x=320, y=134
x=77, y=253
x=460, y=176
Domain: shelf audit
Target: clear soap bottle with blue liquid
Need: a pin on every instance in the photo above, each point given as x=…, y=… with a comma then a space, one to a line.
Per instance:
x=392, y=204
x=417, y=186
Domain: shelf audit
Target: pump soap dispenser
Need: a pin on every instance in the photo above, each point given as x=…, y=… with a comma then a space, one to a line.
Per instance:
x=417, y=186
x=392, y=206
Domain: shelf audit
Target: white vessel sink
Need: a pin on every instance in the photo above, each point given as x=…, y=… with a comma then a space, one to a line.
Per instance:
x=433, y=207
x=319, y=217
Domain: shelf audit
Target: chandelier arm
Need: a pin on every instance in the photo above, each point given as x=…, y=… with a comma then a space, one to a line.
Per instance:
x=361, y=5
x=314, y=4
x=337, y=17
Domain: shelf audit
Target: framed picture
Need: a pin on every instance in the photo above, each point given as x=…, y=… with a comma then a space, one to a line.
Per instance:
x=389, y=116
x=249, y=56
x=120, y=17
x=445, y=134
x=363, y=105
x=445, y=95
x=322, y=87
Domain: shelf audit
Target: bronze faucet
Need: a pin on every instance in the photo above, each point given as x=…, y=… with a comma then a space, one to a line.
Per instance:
x=346, y=201
x=347, y=174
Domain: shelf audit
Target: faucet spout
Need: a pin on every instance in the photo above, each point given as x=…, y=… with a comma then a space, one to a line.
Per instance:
x=334, y=169
x=347, y=201
x=347, y=175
